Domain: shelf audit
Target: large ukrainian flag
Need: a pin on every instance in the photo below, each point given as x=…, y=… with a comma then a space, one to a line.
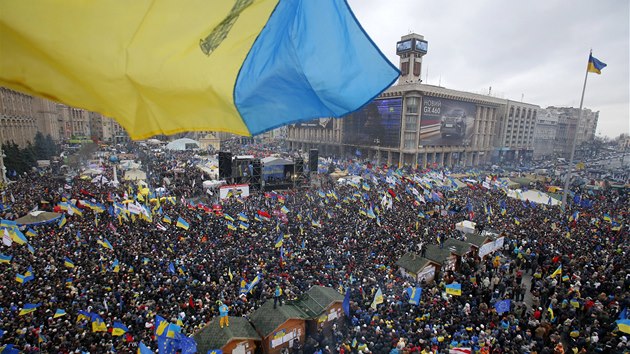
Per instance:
x=241, y=66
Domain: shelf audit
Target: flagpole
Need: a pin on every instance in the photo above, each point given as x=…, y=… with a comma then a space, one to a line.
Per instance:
x=577, y=126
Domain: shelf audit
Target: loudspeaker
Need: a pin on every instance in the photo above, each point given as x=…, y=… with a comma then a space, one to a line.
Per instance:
x=225, y=165
x=313, y=160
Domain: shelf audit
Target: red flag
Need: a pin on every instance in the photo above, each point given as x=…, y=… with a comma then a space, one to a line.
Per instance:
x=391, y=192
x=191, y=303
x=264, y=214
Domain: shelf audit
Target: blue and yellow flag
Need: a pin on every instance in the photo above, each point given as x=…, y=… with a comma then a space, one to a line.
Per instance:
x=105, y=243
x=62, y=221
x=594, y=65
x=68, y=263
x=98, y=325
x=279, y=241
x=118, y=329
x=558, y=271
x=28, y=308
x=143, y=349
x=414, y=294
x=59, y=313
x=181, y=223
x=31, y=233
x=250, y=65
x=166, y=219
x=243, y=217
x=5, y=259
x=454, y=289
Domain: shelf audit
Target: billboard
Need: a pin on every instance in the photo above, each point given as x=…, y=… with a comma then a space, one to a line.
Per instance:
x=446, y=122
x=376, y=124
x=421, y=46
x=404, y=46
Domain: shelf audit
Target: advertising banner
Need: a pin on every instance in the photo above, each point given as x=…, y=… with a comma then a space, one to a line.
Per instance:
x=376, y=124
x=446, y=122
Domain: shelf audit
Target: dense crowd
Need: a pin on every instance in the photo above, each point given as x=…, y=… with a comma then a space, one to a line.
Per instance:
x=327, y=240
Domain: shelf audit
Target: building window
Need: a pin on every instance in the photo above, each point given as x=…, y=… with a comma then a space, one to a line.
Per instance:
x=404, y=68
x=410, y=140
x=416, y=68
x=411, y=122
x=412, y=104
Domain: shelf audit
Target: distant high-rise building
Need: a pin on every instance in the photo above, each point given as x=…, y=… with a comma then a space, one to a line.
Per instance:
x=516, y=131
x=568, y=127
x=545, y=133
x=18, y=121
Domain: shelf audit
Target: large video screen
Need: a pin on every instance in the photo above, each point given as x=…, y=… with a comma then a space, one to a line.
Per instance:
x=446, y=122
x=377, y=124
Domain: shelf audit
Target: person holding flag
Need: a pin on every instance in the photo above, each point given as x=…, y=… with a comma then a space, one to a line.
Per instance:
x=224, y=320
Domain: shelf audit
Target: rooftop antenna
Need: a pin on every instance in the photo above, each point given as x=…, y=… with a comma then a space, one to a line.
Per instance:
x=522, y=96
x=427, y=77
x=440, y=82
x=490, y=91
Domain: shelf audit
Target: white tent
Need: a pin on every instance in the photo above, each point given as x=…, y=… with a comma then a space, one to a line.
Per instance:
x=135, y=175
x=182, y=144
x=532, y=195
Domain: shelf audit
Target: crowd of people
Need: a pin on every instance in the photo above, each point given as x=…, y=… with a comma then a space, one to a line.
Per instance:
x=566, y=273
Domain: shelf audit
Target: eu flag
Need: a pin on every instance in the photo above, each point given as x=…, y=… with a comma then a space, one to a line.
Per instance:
x=502, y=306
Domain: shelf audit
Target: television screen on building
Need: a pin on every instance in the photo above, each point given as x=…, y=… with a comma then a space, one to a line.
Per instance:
x=446, y=122
x=376, y=124
x=404, y=46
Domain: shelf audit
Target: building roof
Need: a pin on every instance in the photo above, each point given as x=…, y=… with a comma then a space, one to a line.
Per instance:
x=436, y=254
x=476, y=240
x=412, y=262
x=317, y=299
x=439, y=91
x=214, y=337
x=456, y=246
x=266, y=319
x=309, y=305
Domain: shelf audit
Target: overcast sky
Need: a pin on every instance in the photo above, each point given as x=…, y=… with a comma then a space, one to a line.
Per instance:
x=533, y=49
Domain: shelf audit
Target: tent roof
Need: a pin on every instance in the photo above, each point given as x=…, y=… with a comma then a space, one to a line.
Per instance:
x=180, y=144
x=275, y=161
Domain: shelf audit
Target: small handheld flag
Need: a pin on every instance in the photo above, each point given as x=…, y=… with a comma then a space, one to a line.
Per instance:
x=454, y=289
x=181, y=223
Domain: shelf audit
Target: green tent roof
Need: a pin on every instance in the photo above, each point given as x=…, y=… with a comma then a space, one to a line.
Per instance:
x=214, y=337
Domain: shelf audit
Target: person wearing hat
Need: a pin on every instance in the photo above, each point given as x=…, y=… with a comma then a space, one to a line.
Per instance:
x=223, y=315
